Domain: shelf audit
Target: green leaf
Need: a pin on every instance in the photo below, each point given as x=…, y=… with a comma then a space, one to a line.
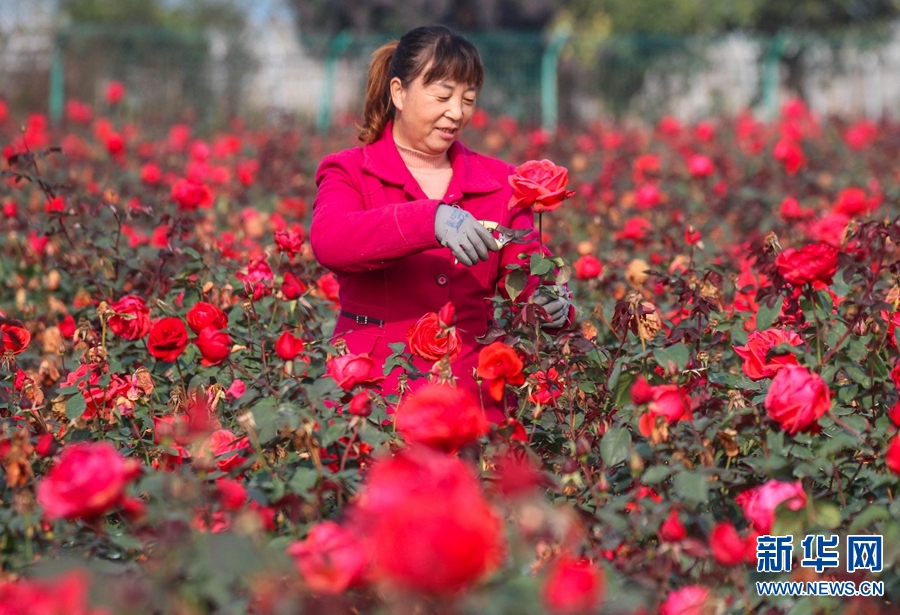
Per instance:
x=515, y=283
x=623, y=388
x=767, y=315
x=828, y=515
x=870, y=515
x=75, y=406
x=677, y=355
x=691, y=486
x=615, y=446
x=655, y=475
x=303, y=480
x=540, y=265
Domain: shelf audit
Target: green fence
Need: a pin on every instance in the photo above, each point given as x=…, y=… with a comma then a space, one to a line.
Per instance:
x=535, y=78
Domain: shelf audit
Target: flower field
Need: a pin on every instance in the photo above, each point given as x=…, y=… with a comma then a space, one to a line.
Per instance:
x=178, y=434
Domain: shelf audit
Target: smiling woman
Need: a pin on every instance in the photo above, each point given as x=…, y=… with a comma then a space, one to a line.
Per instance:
x=399, y=220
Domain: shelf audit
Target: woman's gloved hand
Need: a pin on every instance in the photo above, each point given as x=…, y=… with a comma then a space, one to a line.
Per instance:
x=458, y=230
x=555, y=300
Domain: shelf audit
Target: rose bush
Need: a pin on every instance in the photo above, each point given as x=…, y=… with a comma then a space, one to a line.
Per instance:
x=644, y=447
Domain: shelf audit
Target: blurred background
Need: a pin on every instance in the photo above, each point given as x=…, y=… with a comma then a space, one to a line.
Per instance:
x=548, y=61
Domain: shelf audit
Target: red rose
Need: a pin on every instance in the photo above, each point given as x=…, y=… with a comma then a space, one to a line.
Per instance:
x=759, y=503
x=224, y=450
x=701, y=166
x=67, y=326
x=14, y=337
x=431, y=341
x=797, y=399
x=547, y=389
x=573, y=586
x=331, y=558
x=790, y=155
x=330, y=287
x=499, y=364
x=791, y=210
x=88, y=481
x=215, y=346
x=292, y=287
x=64, y=594
x=409, y=515
x=189, y=195
x=690, y=600
x=289, y=242
x=756, y=351
x=672, y=530
x=350, y=370
x=726, y=544
x=816, y=262
x=447, y=315
x=168, y=339
x=852, y=202
x=132, y=318
x=204, y=315
x=115, y=92
x=668, y=400
x=257, y=278
x=635, y=229
x=540, y=184
x=648, y=196
x=440, y=416
x=151, y=174
x=829, y=229
x=892, y=455
x=587, y=267
x=361, y=404
x=288, y=346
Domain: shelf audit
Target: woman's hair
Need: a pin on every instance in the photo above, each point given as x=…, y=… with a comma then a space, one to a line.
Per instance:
x=450, y=55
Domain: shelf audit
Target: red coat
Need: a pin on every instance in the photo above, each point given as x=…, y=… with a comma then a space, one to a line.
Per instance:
x=373, y=226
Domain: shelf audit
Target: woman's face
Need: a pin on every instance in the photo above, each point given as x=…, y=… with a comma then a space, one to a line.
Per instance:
x=429, y=118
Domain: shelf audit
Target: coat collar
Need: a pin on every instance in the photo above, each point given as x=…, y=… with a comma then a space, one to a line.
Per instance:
x=382, y=160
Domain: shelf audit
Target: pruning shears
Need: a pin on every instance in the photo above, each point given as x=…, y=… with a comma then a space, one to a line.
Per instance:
x=506, y=235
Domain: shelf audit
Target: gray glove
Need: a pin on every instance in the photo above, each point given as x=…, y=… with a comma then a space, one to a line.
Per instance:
x=458, y=230
x=555, y=300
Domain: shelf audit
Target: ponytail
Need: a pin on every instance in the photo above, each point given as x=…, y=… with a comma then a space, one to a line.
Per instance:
x=379, y=108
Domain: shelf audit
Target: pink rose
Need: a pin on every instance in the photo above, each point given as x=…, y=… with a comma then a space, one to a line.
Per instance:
x=689, y=600
x=759, y=503
x=797, y=399
x=331, y=558
x=352, y=369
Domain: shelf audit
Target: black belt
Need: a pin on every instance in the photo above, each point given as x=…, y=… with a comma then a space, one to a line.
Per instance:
x=362, y=320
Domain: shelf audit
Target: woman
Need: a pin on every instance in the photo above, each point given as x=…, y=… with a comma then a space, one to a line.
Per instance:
x=397, y=219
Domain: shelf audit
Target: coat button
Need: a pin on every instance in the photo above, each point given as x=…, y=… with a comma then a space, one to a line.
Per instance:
x=442, y=280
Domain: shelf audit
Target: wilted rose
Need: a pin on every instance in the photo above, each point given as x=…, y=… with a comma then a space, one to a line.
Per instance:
x=539, y=184
x=797, y=399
